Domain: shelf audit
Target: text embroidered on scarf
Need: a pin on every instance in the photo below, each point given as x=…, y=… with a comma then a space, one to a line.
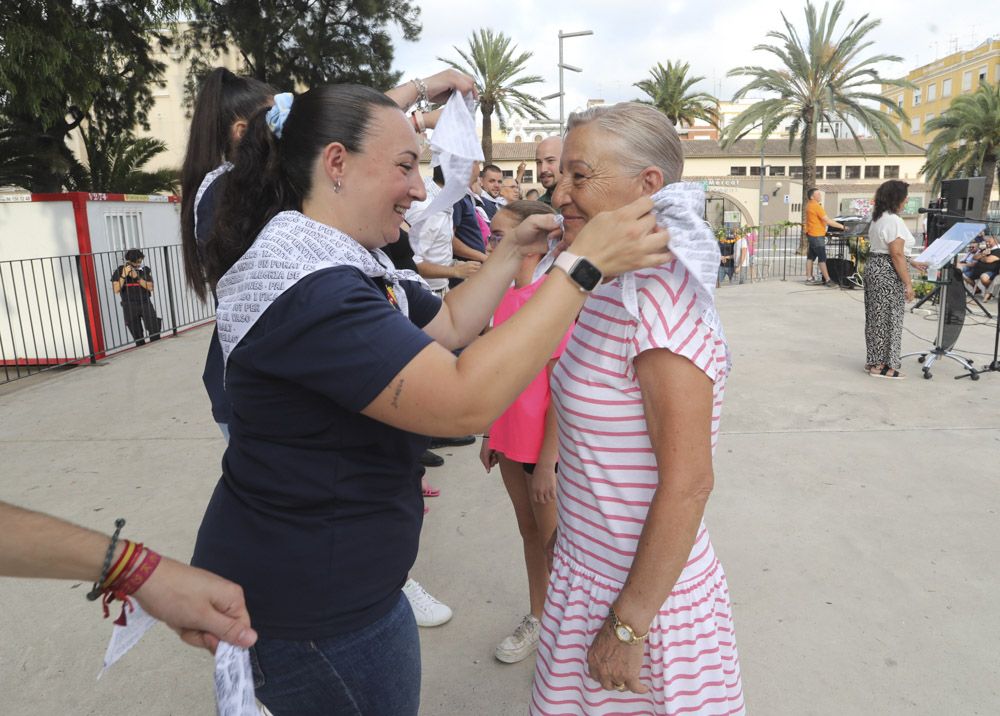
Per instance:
x=289, y=248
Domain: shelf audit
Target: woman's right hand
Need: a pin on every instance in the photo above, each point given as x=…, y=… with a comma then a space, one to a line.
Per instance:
x=624, y=239
x=488, y=457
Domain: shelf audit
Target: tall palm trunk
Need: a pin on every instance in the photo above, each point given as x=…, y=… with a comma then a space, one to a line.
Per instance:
x=808, y=171
x=487, y=110
x=990, y=173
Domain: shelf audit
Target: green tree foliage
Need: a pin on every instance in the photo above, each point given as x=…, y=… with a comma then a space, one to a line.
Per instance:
x=294, y=43
x=61, y=60
x=966, y=139
x=495, y=63
x=824, y=76
x=669, y=90
x=115, y=164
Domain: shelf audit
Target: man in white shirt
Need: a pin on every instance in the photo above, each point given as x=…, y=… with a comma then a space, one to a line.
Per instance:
x=430, y=239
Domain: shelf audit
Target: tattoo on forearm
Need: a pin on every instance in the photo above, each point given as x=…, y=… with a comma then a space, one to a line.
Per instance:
x=399, y=389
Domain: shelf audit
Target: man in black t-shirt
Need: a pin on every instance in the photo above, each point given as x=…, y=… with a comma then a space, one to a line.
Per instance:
x=133, y=283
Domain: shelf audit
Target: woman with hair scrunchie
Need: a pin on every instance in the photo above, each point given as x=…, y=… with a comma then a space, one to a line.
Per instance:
x=337, y=365
x=887, y=280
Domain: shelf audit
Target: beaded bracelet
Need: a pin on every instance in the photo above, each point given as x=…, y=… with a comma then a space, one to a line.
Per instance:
x=95, y=592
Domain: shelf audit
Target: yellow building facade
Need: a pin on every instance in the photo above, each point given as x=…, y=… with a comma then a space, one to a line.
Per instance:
x=939, y=82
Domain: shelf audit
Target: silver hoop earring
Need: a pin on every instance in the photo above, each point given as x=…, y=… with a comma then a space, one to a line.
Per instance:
x=336, y=187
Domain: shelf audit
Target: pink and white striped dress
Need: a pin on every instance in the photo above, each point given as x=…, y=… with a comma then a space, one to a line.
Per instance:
x=607, y=476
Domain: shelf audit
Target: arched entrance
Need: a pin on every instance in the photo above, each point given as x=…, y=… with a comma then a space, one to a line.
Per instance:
x=718, y=204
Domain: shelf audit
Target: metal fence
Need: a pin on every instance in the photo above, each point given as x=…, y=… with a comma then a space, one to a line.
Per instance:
x=63, y=310
x=778, y=254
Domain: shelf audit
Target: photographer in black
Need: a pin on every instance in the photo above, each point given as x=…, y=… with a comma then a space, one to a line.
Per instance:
x=133, y=282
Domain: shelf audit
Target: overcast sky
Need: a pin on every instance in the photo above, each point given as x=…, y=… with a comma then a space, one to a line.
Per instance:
x=630, y=36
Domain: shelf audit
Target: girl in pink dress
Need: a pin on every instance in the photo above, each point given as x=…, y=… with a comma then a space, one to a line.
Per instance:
x=523, y=442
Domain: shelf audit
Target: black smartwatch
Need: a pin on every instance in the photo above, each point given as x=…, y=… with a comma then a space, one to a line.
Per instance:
x=583, y=273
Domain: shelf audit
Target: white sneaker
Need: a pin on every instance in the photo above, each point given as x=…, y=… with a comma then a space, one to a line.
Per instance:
x=521, y=643
x=428, y=610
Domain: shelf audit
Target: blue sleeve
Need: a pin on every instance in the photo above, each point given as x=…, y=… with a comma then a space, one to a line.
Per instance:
x=423, y=305
x=335, y=333
x=206, y=214
x=457, y=213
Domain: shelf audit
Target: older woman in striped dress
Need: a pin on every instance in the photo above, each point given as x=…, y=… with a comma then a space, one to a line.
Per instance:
x=637, y=619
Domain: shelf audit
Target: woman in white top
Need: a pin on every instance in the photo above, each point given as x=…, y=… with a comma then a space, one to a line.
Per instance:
x=887, y=280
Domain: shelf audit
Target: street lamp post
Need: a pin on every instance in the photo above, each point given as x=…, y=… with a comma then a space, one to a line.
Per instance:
x=571, y=68
x=760, y=195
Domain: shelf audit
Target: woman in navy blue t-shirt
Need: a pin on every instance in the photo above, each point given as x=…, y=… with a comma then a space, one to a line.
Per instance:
x=337, y=364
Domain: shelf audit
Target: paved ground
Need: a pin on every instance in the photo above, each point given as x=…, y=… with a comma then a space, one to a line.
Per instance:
x=857, y=520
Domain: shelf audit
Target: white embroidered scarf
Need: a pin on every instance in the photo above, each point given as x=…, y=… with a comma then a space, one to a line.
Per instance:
x=203, y=187
x=679, y=209
x=289, y=248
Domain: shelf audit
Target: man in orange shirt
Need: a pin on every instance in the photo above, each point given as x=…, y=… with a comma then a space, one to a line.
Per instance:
x=816, y=223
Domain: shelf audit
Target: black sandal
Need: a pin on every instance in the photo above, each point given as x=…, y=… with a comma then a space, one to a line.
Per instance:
x=887, y=372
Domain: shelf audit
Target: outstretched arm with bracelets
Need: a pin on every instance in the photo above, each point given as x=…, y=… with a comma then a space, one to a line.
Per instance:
x=201, y=607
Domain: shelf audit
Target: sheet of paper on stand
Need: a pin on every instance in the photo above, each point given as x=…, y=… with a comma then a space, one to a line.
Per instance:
x=455, y=147
x=123, y=638
x=950, y=244
x=234, y=682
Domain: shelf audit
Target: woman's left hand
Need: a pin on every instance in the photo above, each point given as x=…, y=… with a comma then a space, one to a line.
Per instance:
x=542, y=484
x=441, y=85
x=614, y=663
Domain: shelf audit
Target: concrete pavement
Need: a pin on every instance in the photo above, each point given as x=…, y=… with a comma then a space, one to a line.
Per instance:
x=857, y=520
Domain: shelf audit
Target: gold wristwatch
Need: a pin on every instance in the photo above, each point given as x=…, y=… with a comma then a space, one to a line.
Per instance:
x=625, y=633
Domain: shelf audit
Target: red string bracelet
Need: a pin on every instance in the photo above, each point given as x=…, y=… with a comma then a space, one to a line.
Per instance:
x=130, y=582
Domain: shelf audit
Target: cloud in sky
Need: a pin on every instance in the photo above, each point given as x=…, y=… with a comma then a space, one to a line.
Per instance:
x=630, y=36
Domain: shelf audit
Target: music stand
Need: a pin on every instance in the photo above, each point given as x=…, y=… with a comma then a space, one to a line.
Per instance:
x=951, y=309
x=935, y=219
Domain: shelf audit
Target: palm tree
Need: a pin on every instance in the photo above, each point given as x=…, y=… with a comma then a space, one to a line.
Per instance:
x=495, y=64
x=115, y=163
x=967, y=139
x=822, y=78
x=669, y=89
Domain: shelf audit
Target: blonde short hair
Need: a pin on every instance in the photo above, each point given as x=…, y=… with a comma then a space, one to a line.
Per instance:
x=647, y=137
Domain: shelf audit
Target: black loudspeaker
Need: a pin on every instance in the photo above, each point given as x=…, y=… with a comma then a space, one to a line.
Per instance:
x=839, y=270
x=964, y=196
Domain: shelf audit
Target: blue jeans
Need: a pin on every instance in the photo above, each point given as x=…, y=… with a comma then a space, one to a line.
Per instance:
x=371, y=672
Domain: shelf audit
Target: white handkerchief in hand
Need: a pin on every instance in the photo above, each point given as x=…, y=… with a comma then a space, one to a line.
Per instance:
x=455, y=144
x=123, y=638
x=234, y=681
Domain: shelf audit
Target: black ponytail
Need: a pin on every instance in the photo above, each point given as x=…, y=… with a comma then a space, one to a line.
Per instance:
x=889, y=196
x=223, y=99
x=272, y=175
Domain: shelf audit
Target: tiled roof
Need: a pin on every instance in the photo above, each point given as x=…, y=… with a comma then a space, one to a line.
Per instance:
x=710, y=149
